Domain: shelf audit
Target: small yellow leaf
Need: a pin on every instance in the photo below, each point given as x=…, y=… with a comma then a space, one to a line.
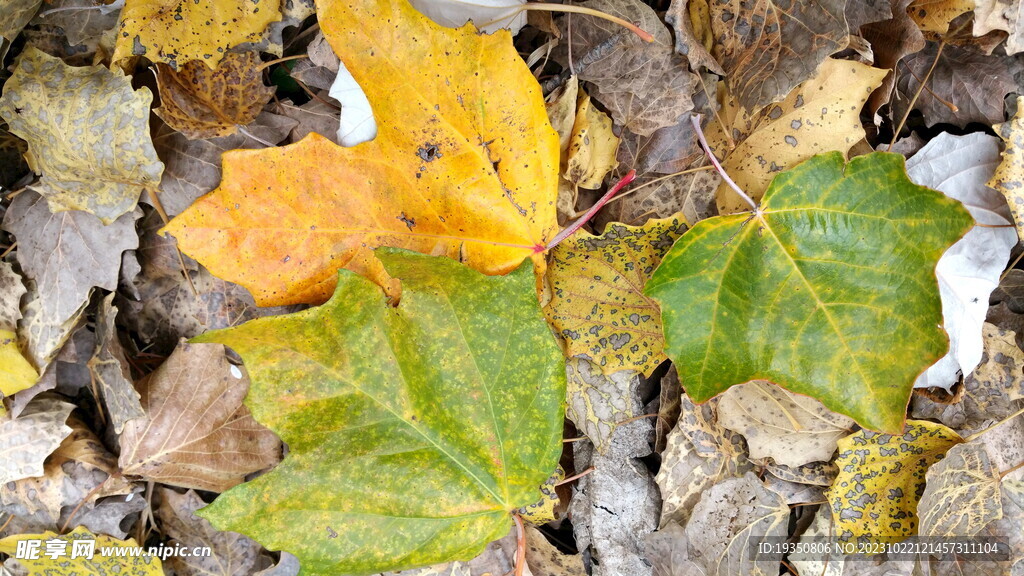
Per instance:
x=77, y=544
x=16, y=373
x=820, y=115
x=935, y=15
x=176, y=31
x=1009, y=176
x=881, y=477
x=592, y=147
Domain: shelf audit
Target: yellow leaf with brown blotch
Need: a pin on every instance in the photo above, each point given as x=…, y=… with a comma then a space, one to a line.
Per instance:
x=1009, y=176
x=465, y=165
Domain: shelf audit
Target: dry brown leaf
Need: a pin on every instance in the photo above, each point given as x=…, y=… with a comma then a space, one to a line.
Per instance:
x=767, y=47
x=645, y=86
x=790, y=428
x=313, y=116
x=27, y=440
x=204, y=103
x=546, y=560
x=867, y=11
x=691, y=22
x=65, y=255
x=197, y=433
x=83, y=21
x=110, y=372
x=891, y=40
x=1011, y=290
x=700, y=453
x=232, y=554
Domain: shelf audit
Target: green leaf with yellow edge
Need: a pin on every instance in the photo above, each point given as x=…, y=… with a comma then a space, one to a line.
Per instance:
x=176, y=31
x=829, y=290
x=597, y=301
x=87, y=132
x=465, y=165
x=16, y=372
x=413, y=431
x=881, y=478
x=84, y=563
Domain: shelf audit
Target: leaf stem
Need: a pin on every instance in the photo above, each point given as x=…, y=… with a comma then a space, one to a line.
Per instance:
x=695, y=119
x=917, y=94
x=629, y=177
x=576, y=476
x=9, y=250
x=546, y=7
x=520, y=544
x=266, y=65
x=1003, y=421
x=660, y=179
x=1011, y=471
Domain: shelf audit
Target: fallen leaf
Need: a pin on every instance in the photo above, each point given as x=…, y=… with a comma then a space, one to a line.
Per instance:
x=125, y=565
x=596, y=403
x=175, y=31
x=313, y=116
x=357, y=124
x=973, y=83
x=293, y=13
x=891, y=40
x=550, y=507
x=597, y=303
x=807, y=290
x=414, y=409
x=959, y=166
x=820, y=115
x=544, y=559
x=881, y=478
x=729, y=522
x=65, y=255
x=27, y=440
x=16, y=373
x=961, y=495
x=231, y=554
x=110, y=372
x=644, y=85
x=669, y=408
x=668, y=551
x=767, y=48
x=17, y=13
x=791, y=429
x=592, y=146
x=201, y=102
x=80, y=481
x=1005, y=15
x=700, y=453
x=1006, y=529
x=285, y=246
x=868, y=11
x=1010, y=290
x=82, y=20
x=691, y=23
x=196, y=433
x=487, y=15
x=1009, y=176
x=193, y=167
x=935, y=15
x=87, y=133
x=615, y=506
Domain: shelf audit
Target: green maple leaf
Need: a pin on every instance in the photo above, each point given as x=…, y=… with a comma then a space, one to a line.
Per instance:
x=413, y=431
x=829, y=290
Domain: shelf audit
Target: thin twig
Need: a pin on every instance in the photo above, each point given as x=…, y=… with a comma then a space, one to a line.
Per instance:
x=917, y=94
x=1010, y=267
x=266, y=65
x=576, y=476
x=659, y=179
x=695, y=119
x=572, y=228
x=155, y=199
x=8, y=251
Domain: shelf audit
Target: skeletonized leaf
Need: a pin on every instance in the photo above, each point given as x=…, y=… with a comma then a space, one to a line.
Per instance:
x=65, y=565
x=597, y=305
x=700, y=453
x=16, y=372
x=812, y=291
x=961, y=495
x=177, y=31
x=436, y=418
x=196, y=433
x=477, y=182
x=881, y=478
x=768, y=47
x=791, y=429
x=27, y=440
x=87, y=132
x=204, y=103
x=65, y=254
x=820, y=115
x=959, y=166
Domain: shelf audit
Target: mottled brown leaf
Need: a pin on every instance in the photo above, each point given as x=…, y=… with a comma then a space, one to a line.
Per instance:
x=204, y=103
x=232, y=554
x=27, y=440
x=767, y=47
x=691, y=22
x=82, y=20
x=197, y=433
x=110, y=371
x=891, y=40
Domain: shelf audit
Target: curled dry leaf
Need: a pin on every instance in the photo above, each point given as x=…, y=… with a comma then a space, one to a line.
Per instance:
x=110, y=372
x=644, y=85
x=26, y=441
x=881, y=478
x=820, y=115
x=791, y=429
x=691, y=22
x=891, y=40
x=1009, y=176
x=87, y=132
x=766, y=48
x=196, y=433
x=65, y=255
x=597, y=304
x=479, y=187
x=16, y=373
x=700, y=453
x=959, y=166
x=175, y=32
x=232, y=554
x=592, y=146
x=201, y=102
x=973, y=83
